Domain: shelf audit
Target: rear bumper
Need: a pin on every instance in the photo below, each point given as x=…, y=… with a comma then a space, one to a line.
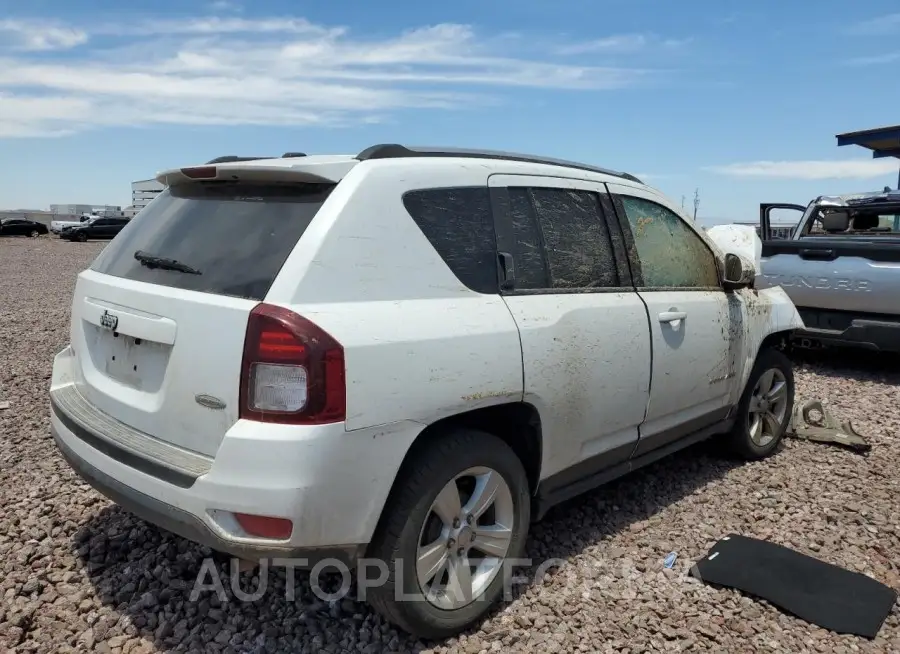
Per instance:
x=881, y=333
x=332, y=484
x=188, y=526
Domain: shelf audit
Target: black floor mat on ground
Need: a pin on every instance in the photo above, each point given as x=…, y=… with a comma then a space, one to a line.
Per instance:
x=820, y=593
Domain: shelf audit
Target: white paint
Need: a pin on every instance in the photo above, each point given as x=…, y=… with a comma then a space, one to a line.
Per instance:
x=191, y=331
x=741, y=240
x=763, y=313
x=686, y=357
x=419, y=346
x=310, y=476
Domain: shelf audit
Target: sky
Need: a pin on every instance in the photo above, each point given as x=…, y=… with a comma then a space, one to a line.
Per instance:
x=741, y=100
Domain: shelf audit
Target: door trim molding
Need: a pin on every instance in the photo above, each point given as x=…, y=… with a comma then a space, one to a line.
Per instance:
x=601, y=469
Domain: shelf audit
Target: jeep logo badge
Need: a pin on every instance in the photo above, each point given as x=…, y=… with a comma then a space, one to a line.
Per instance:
x=109, y=321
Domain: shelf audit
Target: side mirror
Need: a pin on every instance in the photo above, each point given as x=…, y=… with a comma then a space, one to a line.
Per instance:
x=738, y=272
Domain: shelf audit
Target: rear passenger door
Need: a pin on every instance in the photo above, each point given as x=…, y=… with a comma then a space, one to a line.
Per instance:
x=696, y=326
x=584, y=331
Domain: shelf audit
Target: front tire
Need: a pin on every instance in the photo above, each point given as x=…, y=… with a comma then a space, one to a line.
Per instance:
x=81, y=238
x=34, y=233
x=459, y=510
x=766, y=407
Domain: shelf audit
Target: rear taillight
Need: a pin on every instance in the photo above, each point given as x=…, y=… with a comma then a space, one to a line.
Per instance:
x=293, y=371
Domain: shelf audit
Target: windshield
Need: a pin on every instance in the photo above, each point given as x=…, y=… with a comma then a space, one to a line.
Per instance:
x=238, y=235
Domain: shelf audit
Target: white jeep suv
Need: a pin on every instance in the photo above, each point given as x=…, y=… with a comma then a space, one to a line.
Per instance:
x=407, y=356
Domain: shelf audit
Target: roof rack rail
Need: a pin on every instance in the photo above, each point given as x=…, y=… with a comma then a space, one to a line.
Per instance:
x=397, y=151
x=229, y=158
x=291, y=155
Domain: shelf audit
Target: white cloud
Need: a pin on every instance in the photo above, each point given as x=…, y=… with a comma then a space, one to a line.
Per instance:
x=215, y=25
x=226, y=5
x=875, y=60
x=810, y=170
x=272, y=71
x=888, y=24
x=37, y=35
x=619, y=43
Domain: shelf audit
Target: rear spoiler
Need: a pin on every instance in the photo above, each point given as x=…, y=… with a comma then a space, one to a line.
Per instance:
x=330, y=172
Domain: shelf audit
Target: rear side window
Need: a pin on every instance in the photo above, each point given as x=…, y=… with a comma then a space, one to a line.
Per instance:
x=234, y=236
x=531, y=266
x=576, y=238
x=459, y=224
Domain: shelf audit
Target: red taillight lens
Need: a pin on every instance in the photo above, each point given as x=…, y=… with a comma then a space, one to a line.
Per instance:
x=279, y=345
x=200, y=172
x=264, y=526
x=292, y=372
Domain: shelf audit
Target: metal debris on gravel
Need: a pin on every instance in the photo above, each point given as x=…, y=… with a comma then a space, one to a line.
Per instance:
x=78, y=574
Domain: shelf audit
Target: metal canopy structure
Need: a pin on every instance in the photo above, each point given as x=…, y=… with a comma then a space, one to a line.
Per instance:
x=884, y=142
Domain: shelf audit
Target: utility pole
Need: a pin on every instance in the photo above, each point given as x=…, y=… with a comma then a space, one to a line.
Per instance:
x=682, y=203
x=696, y=203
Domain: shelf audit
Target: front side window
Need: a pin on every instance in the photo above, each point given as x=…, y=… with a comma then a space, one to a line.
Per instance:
x=671, y=255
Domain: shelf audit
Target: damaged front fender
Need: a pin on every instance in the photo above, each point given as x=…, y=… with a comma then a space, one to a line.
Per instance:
x=764, y=313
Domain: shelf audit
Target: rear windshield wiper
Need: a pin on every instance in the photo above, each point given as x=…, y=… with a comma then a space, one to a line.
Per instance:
x=152, y=261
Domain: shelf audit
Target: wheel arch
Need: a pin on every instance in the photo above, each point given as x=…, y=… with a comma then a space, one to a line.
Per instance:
x=518, y=424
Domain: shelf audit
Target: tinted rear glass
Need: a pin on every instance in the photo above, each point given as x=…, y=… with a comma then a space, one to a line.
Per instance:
x=459, y=225
x=237, y=236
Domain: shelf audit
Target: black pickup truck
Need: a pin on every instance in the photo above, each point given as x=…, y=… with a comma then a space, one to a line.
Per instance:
x=94, y=228
x=841, y=268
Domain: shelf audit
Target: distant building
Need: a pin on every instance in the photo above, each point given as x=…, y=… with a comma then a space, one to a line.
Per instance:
x=106, y=210
x=142, y=192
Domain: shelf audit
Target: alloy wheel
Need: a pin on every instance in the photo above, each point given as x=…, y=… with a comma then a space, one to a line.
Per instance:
x=768, y=405
x=465, y=538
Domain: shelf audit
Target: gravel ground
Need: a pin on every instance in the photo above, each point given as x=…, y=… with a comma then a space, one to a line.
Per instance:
x=79, y=574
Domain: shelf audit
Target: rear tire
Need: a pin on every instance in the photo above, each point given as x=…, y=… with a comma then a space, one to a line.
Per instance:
x=413, y=541
x=34, y=233
x=765, y=408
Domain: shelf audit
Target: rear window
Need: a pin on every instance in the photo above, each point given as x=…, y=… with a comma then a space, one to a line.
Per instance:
x=236, y=236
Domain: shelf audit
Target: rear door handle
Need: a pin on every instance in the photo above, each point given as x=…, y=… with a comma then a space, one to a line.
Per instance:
x=672, y=316
x=508, y=270
x=823, y=255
